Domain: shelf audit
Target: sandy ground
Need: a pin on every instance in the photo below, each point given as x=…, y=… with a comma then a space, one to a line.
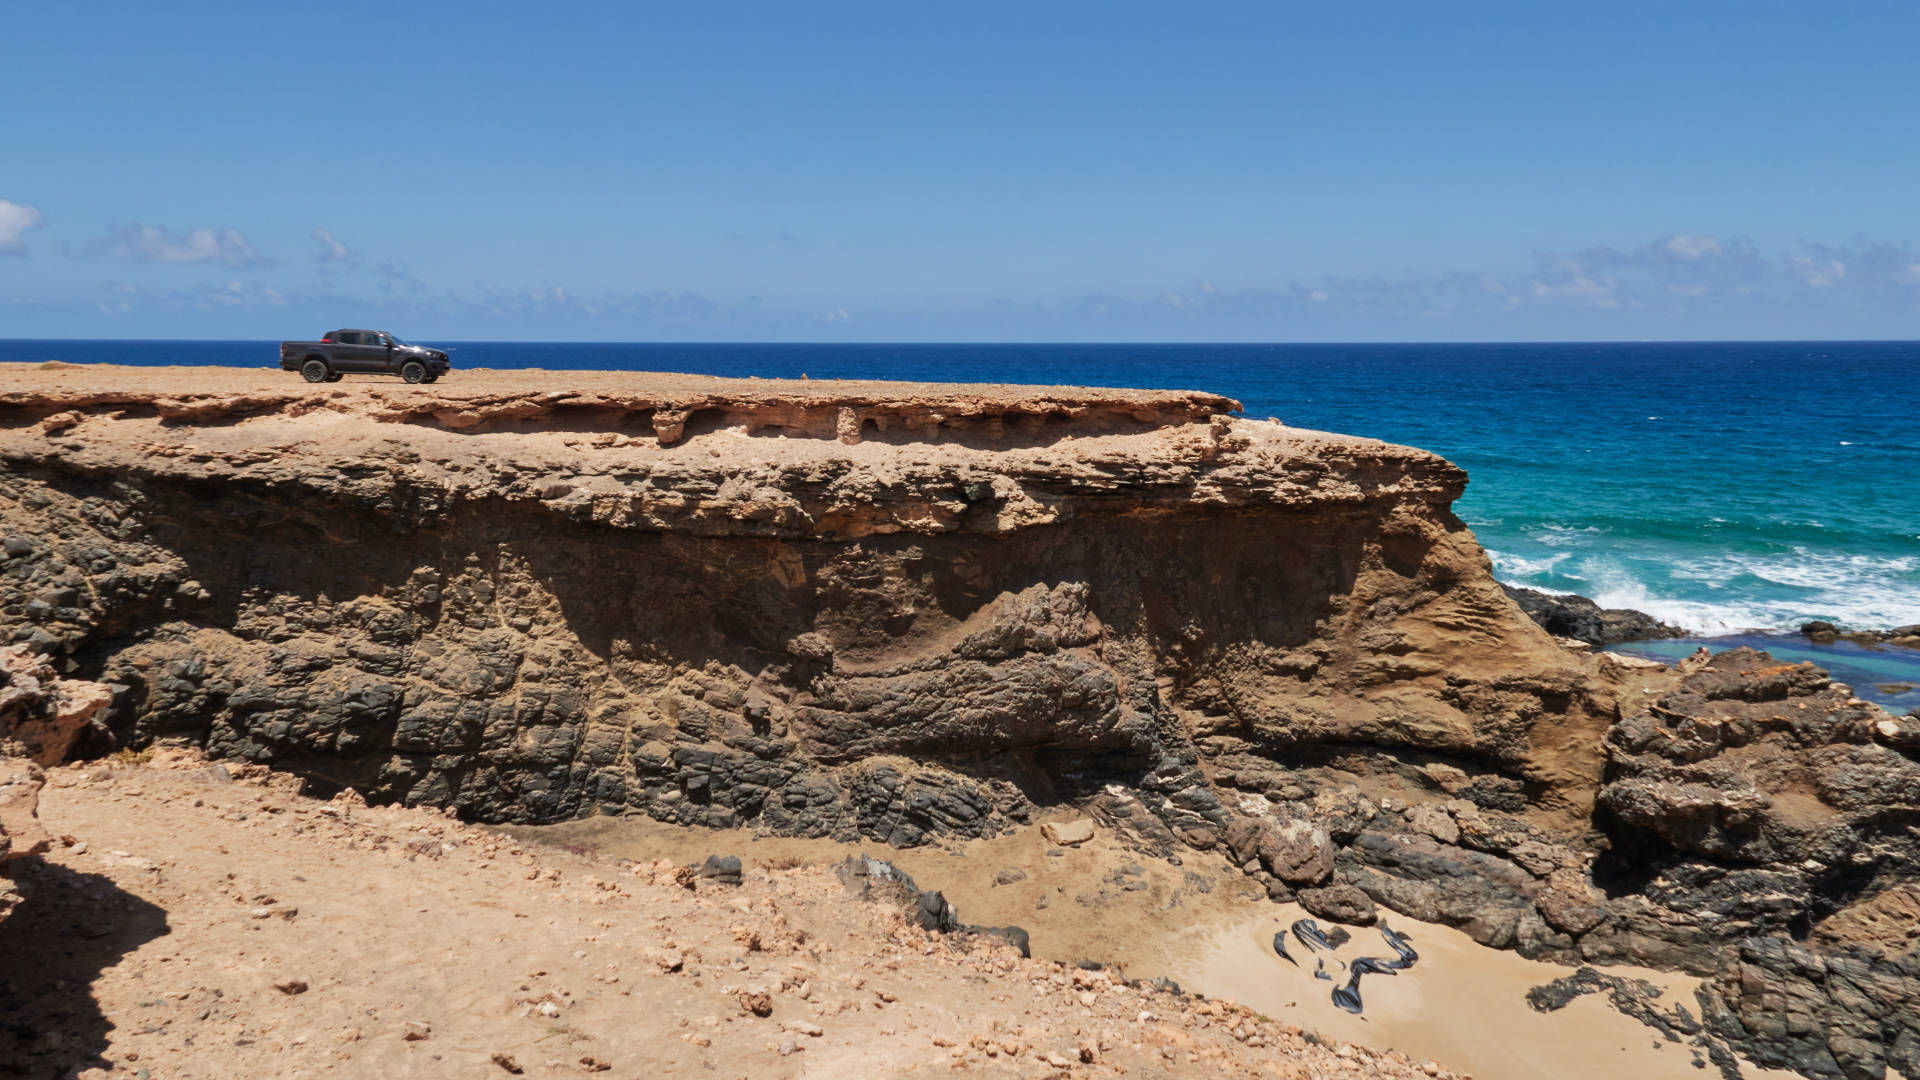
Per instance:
x=1462, y=1002
x=1098, y=901
x=199, y=927
x=1205, y=926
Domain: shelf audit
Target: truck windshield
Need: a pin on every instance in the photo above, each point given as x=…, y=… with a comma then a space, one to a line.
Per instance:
x=395, y=340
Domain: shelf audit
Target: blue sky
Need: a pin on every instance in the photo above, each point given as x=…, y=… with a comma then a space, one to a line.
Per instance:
x=980, y=172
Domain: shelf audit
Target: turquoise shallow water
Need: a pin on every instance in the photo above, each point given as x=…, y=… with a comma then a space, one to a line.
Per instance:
x=1888, y=677
x=1721, y=486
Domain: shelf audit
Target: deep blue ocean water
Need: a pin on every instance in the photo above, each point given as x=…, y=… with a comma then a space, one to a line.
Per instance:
x=1722, y=486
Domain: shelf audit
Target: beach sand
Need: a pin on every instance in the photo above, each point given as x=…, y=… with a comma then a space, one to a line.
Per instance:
x=1462, y=1004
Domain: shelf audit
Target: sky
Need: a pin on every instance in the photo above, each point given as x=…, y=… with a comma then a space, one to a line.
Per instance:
x=1059, y=171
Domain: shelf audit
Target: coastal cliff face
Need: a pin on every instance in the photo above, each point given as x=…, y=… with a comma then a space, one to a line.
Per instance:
x=928, y=618
x=903, y=612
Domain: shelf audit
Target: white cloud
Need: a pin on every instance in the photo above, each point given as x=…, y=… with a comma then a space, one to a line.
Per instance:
x=1818, y=273
x=331, y=250
x=1692, y=246
x=148, y=243
x=1568, y=279
x=236, y=294
x=15, y=220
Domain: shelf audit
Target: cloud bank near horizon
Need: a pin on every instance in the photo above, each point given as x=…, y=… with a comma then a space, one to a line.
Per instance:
x=1678, y=284
x=151, y=244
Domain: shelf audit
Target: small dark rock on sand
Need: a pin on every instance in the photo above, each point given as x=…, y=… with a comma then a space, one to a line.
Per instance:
x=724, y=869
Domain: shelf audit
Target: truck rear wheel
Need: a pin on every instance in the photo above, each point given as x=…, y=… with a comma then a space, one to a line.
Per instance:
x=315, y=370
x=413, y=371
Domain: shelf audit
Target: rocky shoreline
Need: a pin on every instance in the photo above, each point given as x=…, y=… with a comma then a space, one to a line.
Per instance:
x=1826, y=633
x=1577, y=618
x=900, y=617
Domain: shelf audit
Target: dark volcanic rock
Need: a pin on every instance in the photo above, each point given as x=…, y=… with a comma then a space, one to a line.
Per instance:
x=1634, y=997
x=882, y=882
x=1581, y=619
x=1753, y=804
x=1822, y=632
x=724, y=869
x=1844, y=1014
x=1487, y=896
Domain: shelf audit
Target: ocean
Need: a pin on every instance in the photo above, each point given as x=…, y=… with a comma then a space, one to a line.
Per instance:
x=1722, y=486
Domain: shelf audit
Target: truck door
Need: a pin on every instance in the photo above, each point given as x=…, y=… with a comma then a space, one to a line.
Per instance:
x=355, y=354
x=383, y=354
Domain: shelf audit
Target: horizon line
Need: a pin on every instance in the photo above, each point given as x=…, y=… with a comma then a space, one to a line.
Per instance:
x=1015, y=343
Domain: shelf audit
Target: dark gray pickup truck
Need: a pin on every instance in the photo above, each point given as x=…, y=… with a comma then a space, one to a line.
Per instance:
x=357, y=352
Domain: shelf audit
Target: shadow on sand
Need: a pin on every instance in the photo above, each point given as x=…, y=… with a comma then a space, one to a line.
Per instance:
x=70, y=928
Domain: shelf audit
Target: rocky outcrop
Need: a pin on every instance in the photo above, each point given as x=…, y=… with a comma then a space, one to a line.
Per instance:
x=1822, y=632
x=999, y=598
x=1759, y=820
x=40, y=716
x=1580, y=619
x=20, y=833
x=941, y=614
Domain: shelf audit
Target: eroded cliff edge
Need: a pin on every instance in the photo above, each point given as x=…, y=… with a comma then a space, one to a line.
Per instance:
x=894, y=611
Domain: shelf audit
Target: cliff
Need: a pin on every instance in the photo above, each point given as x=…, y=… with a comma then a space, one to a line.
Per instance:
x=896, y=611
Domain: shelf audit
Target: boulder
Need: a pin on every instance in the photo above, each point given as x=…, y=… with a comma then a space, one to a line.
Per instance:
x=1068, y=833
x=1340, y=903
x=722, y=869
x=1243, y=839
x=1297, y=852
x=1576, y=617
x=41, y=714
x=1434, y=821
x=1570, y=904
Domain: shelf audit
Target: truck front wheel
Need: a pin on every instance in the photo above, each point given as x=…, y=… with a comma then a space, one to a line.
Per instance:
x=315, y=371
x=413, y=371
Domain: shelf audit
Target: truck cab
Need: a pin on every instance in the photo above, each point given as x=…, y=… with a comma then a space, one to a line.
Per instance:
x=365, y=352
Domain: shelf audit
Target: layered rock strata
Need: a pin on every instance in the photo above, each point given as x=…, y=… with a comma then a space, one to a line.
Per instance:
x=905, y=612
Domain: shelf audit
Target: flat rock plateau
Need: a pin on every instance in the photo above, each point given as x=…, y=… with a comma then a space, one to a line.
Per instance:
x=908, y=616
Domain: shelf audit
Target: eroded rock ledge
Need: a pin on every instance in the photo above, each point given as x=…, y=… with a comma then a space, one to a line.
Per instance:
x=662, y=405
x=528, y=600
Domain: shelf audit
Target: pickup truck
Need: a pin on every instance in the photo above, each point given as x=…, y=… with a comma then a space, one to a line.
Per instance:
x=356, y=352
